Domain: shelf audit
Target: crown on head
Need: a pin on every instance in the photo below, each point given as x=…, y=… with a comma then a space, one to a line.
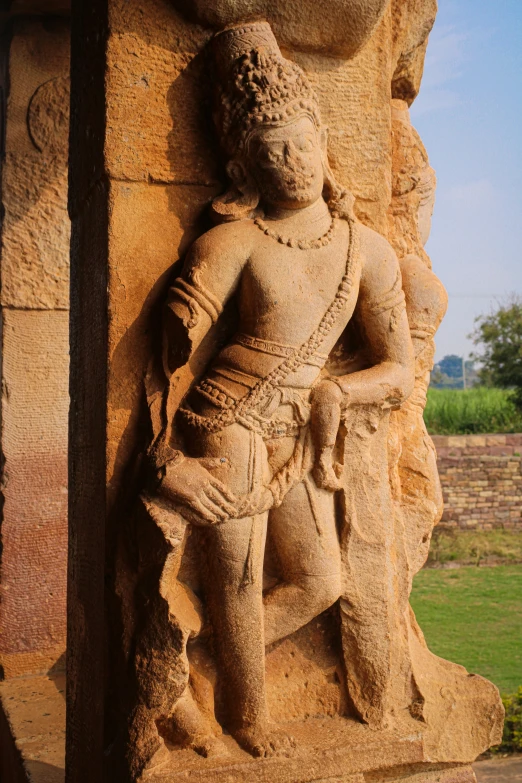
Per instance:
x=256, y=85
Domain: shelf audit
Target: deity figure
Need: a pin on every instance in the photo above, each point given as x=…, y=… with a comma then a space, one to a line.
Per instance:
x=261, y=426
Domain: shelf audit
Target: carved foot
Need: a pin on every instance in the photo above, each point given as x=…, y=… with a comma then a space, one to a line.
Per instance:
x=159, y=759
x=263, y=743
x=326, y=475
x=209, y=747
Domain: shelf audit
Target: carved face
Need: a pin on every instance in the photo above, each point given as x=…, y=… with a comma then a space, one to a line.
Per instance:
x=286, y=163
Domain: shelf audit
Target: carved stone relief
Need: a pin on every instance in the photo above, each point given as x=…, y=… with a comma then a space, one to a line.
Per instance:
x=48, y=116
x=279, y=529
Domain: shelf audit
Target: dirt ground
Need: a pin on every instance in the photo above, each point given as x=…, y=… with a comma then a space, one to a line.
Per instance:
x=508, y=770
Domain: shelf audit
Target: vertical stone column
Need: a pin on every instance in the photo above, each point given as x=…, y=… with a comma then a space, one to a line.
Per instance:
x=88, y=209
x=142, y=172
x=35, y=348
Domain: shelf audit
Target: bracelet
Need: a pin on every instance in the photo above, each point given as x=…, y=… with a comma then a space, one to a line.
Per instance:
x=175, y=457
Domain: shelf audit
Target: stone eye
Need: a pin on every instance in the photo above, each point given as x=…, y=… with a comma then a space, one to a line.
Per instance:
x=304, y=143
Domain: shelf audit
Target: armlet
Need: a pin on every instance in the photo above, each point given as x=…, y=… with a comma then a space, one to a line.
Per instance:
x=196, y=297
x=393, y=297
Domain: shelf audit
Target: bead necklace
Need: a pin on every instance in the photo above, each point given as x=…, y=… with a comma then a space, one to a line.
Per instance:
x=302, y=244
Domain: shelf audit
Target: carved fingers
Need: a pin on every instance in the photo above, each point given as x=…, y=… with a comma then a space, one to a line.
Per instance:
x=256, y=503
x=202, y=498
x=217, y=502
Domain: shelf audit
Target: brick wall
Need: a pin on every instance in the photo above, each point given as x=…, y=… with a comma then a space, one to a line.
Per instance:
x=481, y=478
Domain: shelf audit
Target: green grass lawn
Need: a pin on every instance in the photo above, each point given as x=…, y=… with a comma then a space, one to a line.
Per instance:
x=473, y=616
x=477, y=410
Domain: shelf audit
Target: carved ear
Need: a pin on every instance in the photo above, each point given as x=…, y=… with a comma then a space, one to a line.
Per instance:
x=240, y=200
x=237, y=173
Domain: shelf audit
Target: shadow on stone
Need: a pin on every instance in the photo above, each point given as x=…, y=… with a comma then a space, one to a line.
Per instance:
x=40, y=772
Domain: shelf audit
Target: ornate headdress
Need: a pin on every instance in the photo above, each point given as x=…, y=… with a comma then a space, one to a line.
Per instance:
x=256, y=85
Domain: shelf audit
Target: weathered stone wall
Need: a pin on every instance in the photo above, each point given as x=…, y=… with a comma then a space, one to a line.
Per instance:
x=481, y=477
x=35, y=348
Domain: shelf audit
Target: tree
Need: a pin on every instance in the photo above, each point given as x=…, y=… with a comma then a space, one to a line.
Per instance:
x=500, y=337
x=451, y=366
x=448, y=373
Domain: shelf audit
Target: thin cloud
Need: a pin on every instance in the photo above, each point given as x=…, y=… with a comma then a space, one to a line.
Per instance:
x=451, y=52
x=445, y=60
x=478, y=193
x=447, y=52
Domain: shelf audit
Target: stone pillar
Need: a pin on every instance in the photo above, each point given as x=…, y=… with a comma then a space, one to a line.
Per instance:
x=144, y=168
x=35, y=348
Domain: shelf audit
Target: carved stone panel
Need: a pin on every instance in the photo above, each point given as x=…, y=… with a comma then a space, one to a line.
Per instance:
x=277, y=534
x=272, y=491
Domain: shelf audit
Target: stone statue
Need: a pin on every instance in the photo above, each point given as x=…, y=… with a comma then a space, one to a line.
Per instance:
x=298, y=266
x=279, y=429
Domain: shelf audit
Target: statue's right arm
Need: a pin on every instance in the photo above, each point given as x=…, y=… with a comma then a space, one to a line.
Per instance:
x=210, y=276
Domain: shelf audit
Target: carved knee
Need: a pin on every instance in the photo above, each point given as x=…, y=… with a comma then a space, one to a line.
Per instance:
x=322, y=591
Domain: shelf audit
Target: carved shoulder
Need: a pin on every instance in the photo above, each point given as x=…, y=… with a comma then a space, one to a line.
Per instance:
x=210, y=276
x=213, y=268
x=227, y=246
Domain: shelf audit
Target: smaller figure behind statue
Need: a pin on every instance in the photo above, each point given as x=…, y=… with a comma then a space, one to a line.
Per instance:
x=327, y=399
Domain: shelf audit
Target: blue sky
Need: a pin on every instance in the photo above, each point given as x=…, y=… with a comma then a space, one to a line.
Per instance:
x=469, y=115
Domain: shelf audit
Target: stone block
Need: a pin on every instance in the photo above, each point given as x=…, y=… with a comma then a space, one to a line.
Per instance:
x=359, y=121
x=495, y=440
x=457, y=441
x=514, y=439
x=34, y=528
x=342, y=27
x=36, y=229
x=159, y=125
x=476, y=441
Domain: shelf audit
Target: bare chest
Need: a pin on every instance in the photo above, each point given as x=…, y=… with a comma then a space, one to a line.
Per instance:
x=289, y=288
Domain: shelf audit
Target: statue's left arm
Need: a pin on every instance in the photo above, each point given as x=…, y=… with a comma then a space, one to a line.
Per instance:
x=381, y=312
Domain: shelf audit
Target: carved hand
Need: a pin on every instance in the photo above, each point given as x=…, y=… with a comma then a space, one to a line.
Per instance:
x=200, y=497
x=256, y=503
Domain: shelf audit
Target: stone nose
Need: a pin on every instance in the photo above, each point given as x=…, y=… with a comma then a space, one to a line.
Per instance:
x=291, y=152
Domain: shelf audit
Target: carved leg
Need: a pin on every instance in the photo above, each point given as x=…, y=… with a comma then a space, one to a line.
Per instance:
x=303, y=532
x=236, y=551
x=235, y=592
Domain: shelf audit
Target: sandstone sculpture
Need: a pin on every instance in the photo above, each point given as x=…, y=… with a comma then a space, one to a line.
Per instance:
x=292, y=486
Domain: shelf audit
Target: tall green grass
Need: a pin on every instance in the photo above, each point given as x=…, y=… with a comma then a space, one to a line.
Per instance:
x=469, y=412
